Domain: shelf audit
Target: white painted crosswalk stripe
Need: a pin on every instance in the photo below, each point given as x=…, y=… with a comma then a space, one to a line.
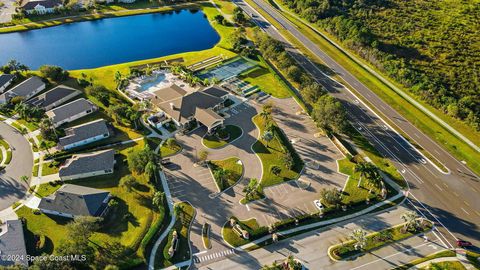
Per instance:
x=216, y=255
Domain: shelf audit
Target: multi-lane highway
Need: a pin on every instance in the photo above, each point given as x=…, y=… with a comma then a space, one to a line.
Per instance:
x=451, y=200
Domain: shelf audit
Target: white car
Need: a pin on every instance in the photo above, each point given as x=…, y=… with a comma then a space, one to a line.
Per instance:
x=319, y=205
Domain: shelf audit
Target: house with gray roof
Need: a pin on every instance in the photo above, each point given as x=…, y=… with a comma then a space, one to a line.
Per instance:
x=73, y=200
x=71, y=111
x=84, y=134
x=5, y=81
x=40, y=6
x=184, y=108
x=88, y=165
x=12, y=244
x=54, y=97
x=25, y=89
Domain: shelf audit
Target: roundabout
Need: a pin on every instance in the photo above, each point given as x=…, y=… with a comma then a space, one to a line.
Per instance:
x=12, y=189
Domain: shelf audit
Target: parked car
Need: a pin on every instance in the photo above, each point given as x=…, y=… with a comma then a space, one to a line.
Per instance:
x=319, y=205
x=462, y=243
x=165, y=161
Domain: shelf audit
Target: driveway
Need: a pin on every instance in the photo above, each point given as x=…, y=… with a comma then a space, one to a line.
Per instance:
x=195, y=184
x=11, y=188
x=7, y=10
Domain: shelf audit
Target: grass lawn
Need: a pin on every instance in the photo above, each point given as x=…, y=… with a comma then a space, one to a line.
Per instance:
x=352, y=193
x=473, y=257
x=234, y=168
x=427, y=125
x=440, y=254
x=267, y=80
x=212, y=141
x=48, y=168
x=166, y=151
x=250, y=225
x=31, y=126
x=184, y=213
x=453, y=265
x=35, y=170
x=127, y=223
x=46, y=189
x=382, y=163
x=374, y=240
x=273, y=153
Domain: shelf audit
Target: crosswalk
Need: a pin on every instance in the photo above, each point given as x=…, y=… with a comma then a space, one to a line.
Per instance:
x=212, y=256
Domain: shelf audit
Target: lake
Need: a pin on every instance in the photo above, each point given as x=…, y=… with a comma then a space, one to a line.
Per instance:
x=110, y=41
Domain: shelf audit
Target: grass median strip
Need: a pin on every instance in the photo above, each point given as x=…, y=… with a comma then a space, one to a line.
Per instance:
x=226, y=173
x=222, y=137
x=353, y=248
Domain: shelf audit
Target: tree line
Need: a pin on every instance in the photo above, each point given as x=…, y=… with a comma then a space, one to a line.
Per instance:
x=430, y=47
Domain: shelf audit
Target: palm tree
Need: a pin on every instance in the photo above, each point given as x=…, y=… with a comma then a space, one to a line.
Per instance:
x=267, y=136
x=25, y=179
x=360, y=236
x=375, y=178
x=362, y=168
x=150, y=169
x=118, y=78
x=221, y=175
x=411, y=220
x=288, y=160
x=158, y=198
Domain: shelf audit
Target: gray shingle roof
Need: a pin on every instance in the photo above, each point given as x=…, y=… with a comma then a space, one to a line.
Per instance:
x=84, y=131
x=5, y=78
x=12, y=242
x=25, y=88
x=76, y=200
x=215, y=91
x=50, y=97
x=89, y=162
x=185, y=106
x=46, y=3
x=70, y=109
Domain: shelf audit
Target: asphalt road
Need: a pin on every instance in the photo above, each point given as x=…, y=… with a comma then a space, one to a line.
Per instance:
x=12, y=188
x=451, y=200
x=311, y=248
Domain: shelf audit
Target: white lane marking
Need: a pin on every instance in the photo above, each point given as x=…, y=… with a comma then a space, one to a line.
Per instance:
x=439, y=187
x=466, y=203
x=465, y=211
x=248, y=207
x=392, y=255
x=201, y=252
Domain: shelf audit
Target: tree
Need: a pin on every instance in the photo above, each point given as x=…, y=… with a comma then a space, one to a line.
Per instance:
x=311, y=92
x=360, y=237
x=25, y=179
x=138, y=159
x=362, y=168
x=238, y=16
x=119, y=79
x=330, y=197
x=171, y=143
x=54, y=73
x=221, y=175
x=100, y=92
x=202, y=156
x=158, y=199
x=151, y=169
x=267, y=136
x=411, y=220
x=219, y=18
x=288, y=160
x=82, y=227
x=128, y=182
x=13, y=66
x=329, y=114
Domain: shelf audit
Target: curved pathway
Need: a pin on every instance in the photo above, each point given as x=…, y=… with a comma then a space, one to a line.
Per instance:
x=12, y=188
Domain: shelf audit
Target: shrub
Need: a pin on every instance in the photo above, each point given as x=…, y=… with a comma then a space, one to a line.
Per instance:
x=55, y=73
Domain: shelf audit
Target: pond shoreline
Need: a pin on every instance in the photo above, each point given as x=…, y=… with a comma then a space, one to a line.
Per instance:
x=97, y=16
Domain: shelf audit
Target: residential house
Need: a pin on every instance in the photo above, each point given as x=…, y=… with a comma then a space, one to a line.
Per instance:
x=40, y=7
x=53, y=98
x=84, y=134
x=88, y=165
x=25, y=89
x=5, y=81
x=186, y=108
x=73, y=200
x=12, y=244
x=71, y=111
x=126, y=1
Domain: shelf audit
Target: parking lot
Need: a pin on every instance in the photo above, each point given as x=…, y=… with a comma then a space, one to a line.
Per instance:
x=195, y=184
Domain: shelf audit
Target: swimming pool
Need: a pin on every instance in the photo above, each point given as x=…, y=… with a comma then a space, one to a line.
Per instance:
x=156, y=79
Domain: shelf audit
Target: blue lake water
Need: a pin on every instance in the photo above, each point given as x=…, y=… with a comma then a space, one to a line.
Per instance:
x=110, y=41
